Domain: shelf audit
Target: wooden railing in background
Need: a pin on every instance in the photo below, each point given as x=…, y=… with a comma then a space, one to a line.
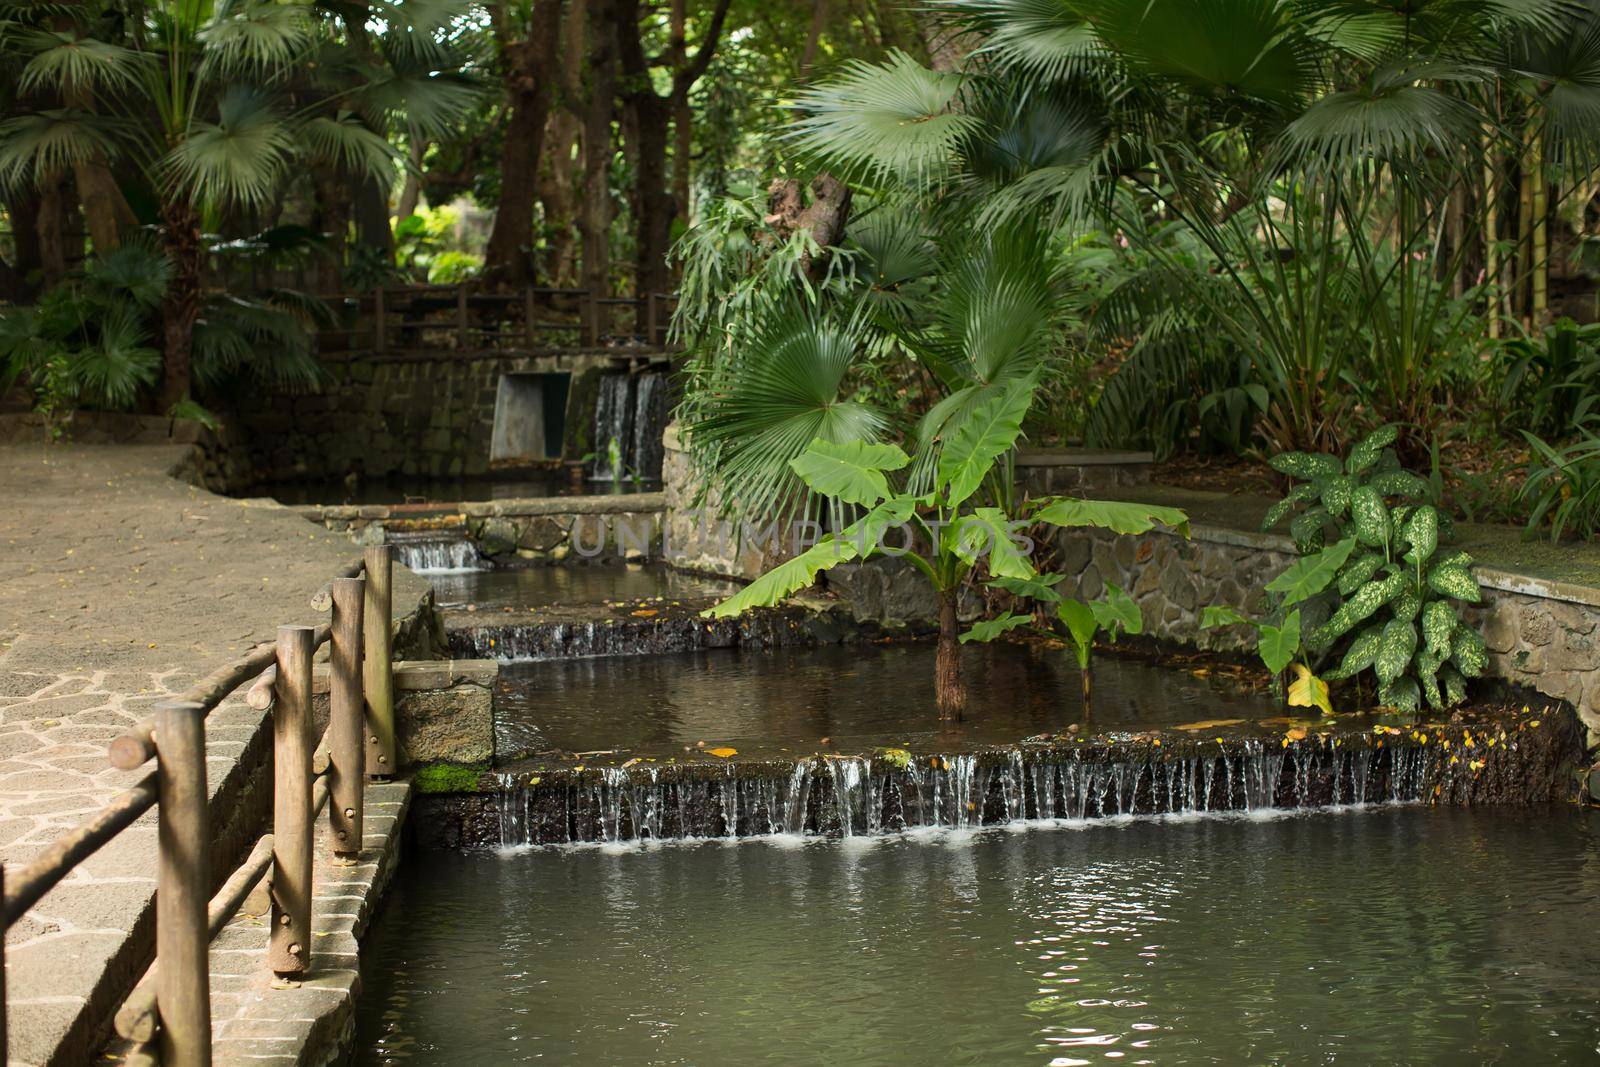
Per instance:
x=434, y=319
x=171, y=1003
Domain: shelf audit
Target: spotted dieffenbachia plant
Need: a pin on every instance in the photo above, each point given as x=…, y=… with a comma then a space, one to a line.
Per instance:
x=1369, y=541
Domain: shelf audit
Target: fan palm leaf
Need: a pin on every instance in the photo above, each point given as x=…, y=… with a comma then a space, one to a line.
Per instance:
x=34, y=147
x=239, y=159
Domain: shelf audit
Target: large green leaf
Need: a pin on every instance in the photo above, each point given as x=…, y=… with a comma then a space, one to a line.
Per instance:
x=989, y=629
x=1039, y=587
x=1214, y=615
x=857, y=541
x=987, y=534
x=1081, y=624
x=786, y=578
x=851, y=471
x=1438, y=623
x=1309, y=576
x=1278, y=644
x=1114, y=515
x=1359, y=571
x=1117, y=611
x=981, y=438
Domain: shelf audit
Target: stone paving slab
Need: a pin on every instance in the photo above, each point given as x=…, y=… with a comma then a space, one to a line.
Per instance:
x=120, y=585
x=312, y=1022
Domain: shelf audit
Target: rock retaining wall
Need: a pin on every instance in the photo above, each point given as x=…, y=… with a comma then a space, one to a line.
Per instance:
x=1541, y=634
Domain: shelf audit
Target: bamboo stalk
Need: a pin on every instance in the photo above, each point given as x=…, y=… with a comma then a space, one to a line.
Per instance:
x=1491, y=235
x=346, y=725
x=1539, y=301
x=183, y=985
x=290, y=950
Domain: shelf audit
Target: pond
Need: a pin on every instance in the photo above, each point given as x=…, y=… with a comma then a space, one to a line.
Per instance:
x=522, y=588
x=845, y=698
x=1390, y=934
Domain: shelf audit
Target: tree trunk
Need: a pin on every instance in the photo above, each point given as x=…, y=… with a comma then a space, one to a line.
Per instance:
x=372, y=216
x=653, y=207
x=411, y=191
x=950, y=690
x=947, y=46
x=21, y=205
x=594, y=218
x=508, y=259
x=824, y=218
x=51, y=226
x=105, y=209
x=819, y=18
x=558, y=196
x=331, y=219
x=180, y=235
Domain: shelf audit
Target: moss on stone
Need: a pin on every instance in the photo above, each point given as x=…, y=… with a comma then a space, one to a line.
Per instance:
x=449, y=777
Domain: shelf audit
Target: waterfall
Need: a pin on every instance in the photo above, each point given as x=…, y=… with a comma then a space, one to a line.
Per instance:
x=853, y=796
x=631, y=409
x=436, y=556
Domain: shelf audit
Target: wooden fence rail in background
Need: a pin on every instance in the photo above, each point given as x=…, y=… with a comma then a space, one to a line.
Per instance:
x=171, y=1004
x=464, y=318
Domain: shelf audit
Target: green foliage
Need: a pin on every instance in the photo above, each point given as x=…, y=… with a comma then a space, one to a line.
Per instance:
x=1563, y=487
x=448, y=778
x=1382, y=577
x=1552, y=385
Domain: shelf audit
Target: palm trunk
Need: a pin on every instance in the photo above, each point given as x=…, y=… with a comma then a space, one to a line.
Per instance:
x=180, y=308
x=950, y=690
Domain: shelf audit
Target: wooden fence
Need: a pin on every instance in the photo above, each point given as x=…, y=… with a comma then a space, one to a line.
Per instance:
x=434, y=319
x=171, y=1003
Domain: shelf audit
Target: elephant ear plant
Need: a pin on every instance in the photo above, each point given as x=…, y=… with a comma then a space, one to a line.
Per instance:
x=1115, y=615
x=1373, y=571
x=946, y=532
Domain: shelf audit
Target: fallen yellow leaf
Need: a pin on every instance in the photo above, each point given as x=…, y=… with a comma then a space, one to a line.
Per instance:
x=1309, y=691
x=1207, y=724
x=723, y=752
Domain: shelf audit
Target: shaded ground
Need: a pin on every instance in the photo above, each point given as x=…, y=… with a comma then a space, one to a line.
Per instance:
x=119, y=585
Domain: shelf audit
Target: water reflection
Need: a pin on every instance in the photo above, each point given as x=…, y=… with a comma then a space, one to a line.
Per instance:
x=1394, y=936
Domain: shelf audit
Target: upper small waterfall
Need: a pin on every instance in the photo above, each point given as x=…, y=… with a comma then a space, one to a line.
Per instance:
x=632, y=411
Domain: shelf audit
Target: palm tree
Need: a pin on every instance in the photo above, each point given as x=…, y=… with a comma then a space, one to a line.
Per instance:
x=204, y=102
x=1312, y=149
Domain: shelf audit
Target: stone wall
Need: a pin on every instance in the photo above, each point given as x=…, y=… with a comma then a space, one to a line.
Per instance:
x=539, y=528
x=444, y=709
x=398, y=415
x=1541, y=634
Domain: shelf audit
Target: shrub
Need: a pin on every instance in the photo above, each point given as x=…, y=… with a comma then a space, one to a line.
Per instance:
x=1388, y=592
x=1564, y=486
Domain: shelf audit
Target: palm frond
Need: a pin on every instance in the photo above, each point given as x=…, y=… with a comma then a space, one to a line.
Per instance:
x=236, y=160
x=348, y=146
x=896, y=119
x=132, y=271
x=36, y=146
x=66, y=63
x=120, y=362
x=259, y=41
x=1051, y=40
x=433, y=103
x=768, y=402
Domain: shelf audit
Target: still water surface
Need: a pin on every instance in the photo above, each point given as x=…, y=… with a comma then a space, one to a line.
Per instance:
x=1394, y=935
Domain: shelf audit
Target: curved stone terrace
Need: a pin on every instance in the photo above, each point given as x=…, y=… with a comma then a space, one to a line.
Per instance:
x=121, y=584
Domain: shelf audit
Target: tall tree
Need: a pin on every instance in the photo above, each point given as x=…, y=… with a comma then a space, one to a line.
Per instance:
x=599, y=110
x=528, y=54
x=647, y=115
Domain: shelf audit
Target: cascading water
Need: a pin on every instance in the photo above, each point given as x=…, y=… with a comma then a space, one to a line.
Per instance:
x=847, y=797
x=439, y=556
x=631, y=410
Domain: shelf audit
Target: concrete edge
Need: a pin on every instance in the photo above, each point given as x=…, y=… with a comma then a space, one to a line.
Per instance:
x=610, y=504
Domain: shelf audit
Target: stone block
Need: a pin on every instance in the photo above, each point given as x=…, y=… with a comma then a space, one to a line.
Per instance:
x=454, y=724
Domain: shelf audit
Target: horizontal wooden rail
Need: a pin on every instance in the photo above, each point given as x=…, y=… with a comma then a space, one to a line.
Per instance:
x=45, y=870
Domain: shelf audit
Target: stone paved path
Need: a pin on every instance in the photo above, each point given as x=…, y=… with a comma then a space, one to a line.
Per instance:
x=119, y=585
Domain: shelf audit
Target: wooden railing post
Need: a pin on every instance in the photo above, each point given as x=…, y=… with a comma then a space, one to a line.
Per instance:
x=347, y=750
x=463, y=331
x=183, y=983
x=378, y=667
x=290, y=951
x=4, y=1058
x=377, y=319
x=650, y=319
x=527, y=315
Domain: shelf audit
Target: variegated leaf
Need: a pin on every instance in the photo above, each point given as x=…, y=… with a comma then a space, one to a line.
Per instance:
x=1456, y=582
x=1371, y=517
x=1468, y=652
x=1438, y=623
x=1394, y=650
